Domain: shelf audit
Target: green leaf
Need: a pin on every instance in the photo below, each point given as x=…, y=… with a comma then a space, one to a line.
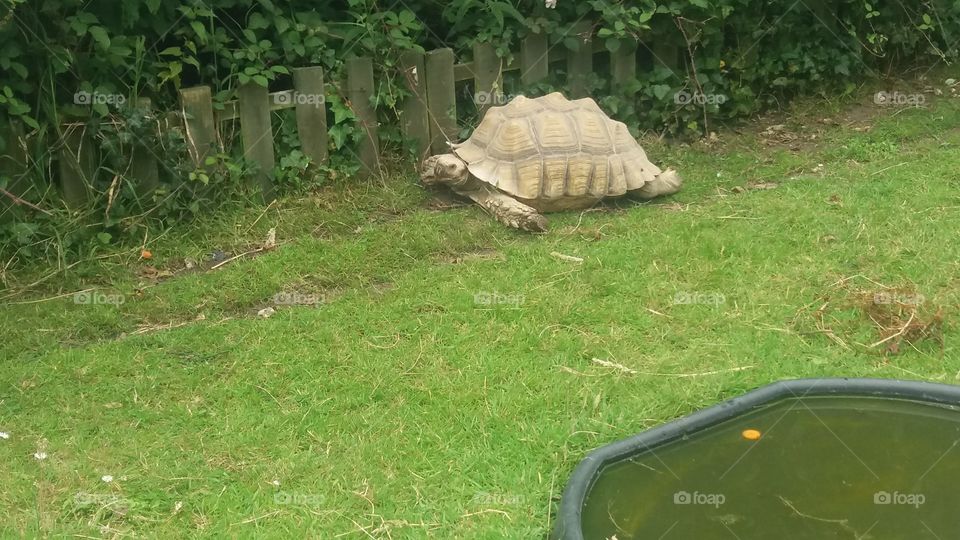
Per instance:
x=257, y=22
x=153, y=6
x=104, y=237
x=200, y=30
x=28, y=120
x=341, y=113
x=261, y=80
x=660, y=90
x=20, y=69
x=613, y=45
x=99, y=34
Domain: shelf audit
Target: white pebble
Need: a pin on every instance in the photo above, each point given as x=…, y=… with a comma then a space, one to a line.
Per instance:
x=107, y=478
x=40, y=455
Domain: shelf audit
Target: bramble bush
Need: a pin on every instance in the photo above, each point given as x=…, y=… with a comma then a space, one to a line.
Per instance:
x=754, y=53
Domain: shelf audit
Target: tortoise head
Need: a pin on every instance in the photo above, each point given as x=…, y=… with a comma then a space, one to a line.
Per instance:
x=444, y=169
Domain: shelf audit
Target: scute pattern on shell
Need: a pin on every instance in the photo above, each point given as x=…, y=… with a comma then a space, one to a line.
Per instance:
x=551, y=147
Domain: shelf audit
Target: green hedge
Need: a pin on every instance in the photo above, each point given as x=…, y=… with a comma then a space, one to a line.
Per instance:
x=750, y=50
x=754, y=53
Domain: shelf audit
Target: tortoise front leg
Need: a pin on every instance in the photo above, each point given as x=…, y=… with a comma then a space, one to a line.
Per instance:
x=507, y=210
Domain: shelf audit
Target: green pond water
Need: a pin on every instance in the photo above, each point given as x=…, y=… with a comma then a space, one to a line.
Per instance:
x=825, y=467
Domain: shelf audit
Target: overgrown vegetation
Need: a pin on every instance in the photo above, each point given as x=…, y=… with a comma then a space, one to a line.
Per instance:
x=755, y=54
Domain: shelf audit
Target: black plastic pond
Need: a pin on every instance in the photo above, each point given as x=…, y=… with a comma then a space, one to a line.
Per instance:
x=835, y=458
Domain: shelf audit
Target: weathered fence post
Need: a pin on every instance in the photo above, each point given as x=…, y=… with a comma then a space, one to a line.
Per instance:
x=77, y=165
x=487, y=78
x=665, y=53
x=360, y=89
x=200, y=129
x=311, y=112
x=623, y=63
x=257, y=133
x=441, y=99
x=580, y=61
x=413, y=113
x=143, y=165
x=13, y=164
x=533, y=59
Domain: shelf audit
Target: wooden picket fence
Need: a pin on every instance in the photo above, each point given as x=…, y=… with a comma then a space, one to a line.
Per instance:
x=428, y=118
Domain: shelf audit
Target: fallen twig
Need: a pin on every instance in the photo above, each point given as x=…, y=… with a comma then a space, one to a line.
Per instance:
x=235, y=257
x=18, y=200
x=625, y=369
x=905, y=327
x=487, y=511
x=614, y=365
x=568, y=258
x=845, y=524
x=52, y=297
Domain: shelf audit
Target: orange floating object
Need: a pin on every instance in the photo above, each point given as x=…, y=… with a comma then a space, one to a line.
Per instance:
x=146, y=254
x=751, y=434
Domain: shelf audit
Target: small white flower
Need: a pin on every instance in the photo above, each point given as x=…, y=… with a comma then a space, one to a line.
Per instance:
x=550, y=4
x=276, y=483
x=107, y=478
x=4, y=435
x=40, y=455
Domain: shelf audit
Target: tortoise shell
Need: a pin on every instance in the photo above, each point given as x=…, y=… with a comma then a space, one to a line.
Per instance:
x=549, y=147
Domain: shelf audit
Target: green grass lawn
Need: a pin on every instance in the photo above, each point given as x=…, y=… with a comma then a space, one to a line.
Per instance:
x=399, y=406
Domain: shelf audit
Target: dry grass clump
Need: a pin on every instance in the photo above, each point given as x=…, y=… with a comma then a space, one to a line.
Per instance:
x=896, y=316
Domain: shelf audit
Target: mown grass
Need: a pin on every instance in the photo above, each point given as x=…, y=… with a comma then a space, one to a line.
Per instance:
x=402, y=408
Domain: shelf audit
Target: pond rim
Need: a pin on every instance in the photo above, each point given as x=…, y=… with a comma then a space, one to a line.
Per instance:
x=568, y=525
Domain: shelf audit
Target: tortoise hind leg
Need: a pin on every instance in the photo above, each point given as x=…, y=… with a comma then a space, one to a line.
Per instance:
x=667, y=182
x=508, y=210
